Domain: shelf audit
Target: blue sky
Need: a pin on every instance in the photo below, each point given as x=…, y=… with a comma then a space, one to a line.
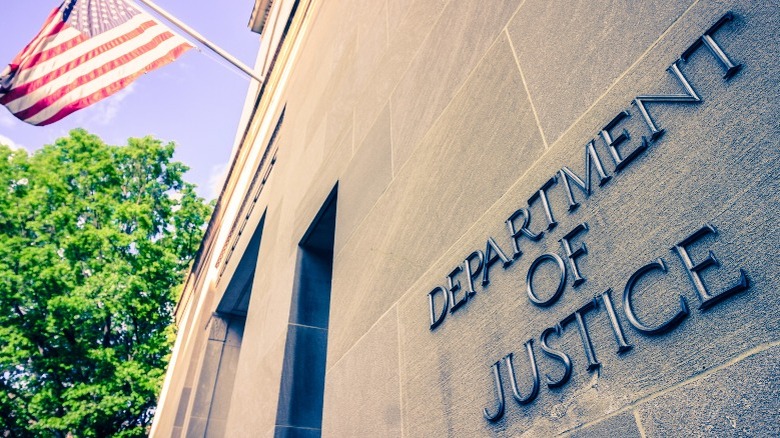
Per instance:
x=195, y=101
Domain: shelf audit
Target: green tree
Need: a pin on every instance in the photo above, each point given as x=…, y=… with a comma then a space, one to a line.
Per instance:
x=94, y=243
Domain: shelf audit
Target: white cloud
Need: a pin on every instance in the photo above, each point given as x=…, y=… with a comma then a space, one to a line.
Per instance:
x=109, y=108
x=10, y=143
x=216, y=180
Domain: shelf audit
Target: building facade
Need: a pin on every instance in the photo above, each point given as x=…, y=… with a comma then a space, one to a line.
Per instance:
x=501, y=218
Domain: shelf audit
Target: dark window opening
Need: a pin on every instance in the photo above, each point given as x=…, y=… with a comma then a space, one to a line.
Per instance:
x=213, y=389
x=299, y=412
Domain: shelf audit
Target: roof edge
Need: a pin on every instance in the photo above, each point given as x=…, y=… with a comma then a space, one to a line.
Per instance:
x=259, y=15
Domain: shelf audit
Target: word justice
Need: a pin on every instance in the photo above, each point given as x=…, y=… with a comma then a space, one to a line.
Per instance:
x=678, y=309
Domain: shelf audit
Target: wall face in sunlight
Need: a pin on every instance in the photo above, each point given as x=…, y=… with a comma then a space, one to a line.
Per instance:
x=520, y=217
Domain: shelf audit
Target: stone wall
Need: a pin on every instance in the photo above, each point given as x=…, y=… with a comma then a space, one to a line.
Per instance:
x=438, y=121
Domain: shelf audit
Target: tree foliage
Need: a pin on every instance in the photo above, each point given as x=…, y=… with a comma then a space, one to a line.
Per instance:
x=94, y=241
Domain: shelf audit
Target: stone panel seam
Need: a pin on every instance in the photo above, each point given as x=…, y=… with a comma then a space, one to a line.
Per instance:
x=199, y=353
x=436, y=120
x=281, y=338
x=354, y=344
x=306, y=326
x=639, y=424
x=330, y=368
x=444, y=253
x=356, y=142
x=392, y=176
x=402, y=74
x=625, y=72
x=525, y=85
x=433, y=123
x=456, y=244
x=460, y=86
x=295, y=427
x=422, y=43
x=733, y=361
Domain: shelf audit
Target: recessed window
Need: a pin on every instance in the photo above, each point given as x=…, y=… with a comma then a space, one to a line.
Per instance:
x=299, y=411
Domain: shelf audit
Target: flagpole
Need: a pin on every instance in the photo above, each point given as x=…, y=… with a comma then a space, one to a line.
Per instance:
x=193, y=33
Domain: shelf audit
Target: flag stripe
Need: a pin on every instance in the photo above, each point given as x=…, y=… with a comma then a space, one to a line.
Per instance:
x=26, y=74
x=52, y=106
x=8, y=75
x=73, y=83
x=49, y=26
x=116, y=86
x=85, y=51
x=23, y=71
x=88, y=45
x=71, y=38
x=80, y=62
x=86, y=68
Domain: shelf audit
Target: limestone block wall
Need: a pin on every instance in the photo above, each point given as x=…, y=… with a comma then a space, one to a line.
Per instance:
x=438, y=121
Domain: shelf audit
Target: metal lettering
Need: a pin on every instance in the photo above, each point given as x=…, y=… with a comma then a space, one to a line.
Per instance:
x=435, y=321
x=522, y=232
x=530, y=276
x=471, y=274
x=657, y=265
x=573, y=256
x=613, y=144
x=713, y=47
x=534, y=374
x=689, y=96
x=454, y=287
x=706, y=299
x=620, y=338
x=499, y=393
x=541, y=194
x=590, y=354
x=557, y=355
x=565, y=173
x=493, y=253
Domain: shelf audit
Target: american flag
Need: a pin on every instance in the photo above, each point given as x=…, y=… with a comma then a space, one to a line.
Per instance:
x=86, y=51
